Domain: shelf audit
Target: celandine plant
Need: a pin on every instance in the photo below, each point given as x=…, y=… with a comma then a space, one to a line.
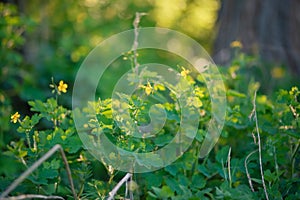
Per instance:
x=257, y=156
x=225, y=174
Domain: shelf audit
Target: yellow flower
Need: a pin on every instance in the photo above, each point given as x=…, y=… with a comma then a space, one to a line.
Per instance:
x=202, y=112
x=148, y=89
x=294, y=90
x=184, y=72
x=236, y=44
x=15, y=117
x=62, y=87
x=198, y=92
x=277, y=72
x=159, y=87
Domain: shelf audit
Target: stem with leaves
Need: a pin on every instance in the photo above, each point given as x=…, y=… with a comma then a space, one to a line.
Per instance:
x=135, y=66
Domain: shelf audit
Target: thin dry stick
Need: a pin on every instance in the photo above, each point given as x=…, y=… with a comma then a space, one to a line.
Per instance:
x=259, y=145
x=293, y=157
x=130, y=191
x=117, y=187
x=135, y=45
x=229, y=172
x=31, y=196
x=126, y=188
x=36, y=165
x=247, y=172
x=276, y=163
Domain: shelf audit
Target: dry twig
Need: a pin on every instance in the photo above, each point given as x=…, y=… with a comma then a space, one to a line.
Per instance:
x=254, y=115
x=36, y=165
x=229, y=166
x=135, y=45
x=247, y=172
x=117, y=187
x=32, y=196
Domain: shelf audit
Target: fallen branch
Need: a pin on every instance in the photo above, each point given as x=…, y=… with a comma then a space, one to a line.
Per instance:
x=117, y=187
x=36, y=165
x=31, y=196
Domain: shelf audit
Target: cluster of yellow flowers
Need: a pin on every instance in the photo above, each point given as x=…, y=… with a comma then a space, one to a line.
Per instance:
x=149, y=89
x=294, y=90
x=62, y=87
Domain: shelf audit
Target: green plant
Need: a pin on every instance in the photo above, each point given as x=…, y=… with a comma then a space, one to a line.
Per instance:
x=257, y=156
x=222, y=175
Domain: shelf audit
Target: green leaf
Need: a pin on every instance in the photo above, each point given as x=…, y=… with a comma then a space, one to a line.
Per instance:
x=55, y=164
x=22, y=154
x=38, y=181
x=35, y=119
x=162, y=140
x=37, y=106
x=256, y=180
x=235, y=94
x=164, y=192
x=200, y=135
x=222, y=155
x=74, y=144
x=204, y=170
x=153, y=179
x=172, y=169
x=150, y=160
x=293, y=133
x=198, y=181
x=52, y=103
x=173, y=184
x=48, y=173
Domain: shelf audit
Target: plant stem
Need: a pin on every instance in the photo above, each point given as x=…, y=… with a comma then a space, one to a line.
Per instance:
x=293, y=158
x=117, y=187
x=130, y=191
x=229, y=170
x=247, y=172
x=259, y=146
x=276, y=163
x=32, y=196
x=28, y=139
x=36, y=165
x=135, y=45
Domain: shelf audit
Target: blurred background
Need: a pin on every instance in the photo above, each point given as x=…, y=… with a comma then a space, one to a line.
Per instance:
x=44, y=39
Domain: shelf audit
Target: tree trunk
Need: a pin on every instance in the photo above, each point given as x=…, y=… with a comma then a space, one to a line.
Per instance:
x=269, y=28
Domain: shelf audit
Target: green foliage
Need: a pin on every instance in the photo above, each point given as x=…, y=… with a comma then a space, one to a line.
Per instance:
x=224, y=174
x=187, y=178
